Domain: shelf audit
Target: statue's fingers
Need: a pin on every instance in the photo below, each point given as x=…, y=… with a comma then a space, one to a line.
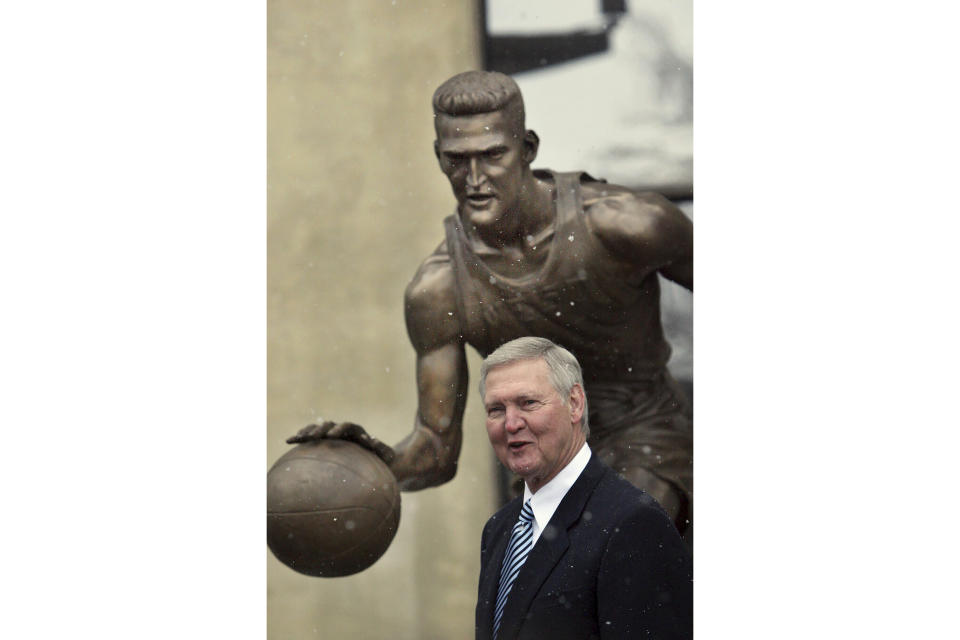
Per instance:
x=311, y=432
x=323, y=430
x=359, y=435
x=347, y=431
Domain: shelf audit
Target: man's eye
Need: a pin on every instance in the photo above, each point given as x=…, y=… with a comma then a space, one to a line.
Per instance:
x=495, y=154
x=494, y=412
x=530, y=403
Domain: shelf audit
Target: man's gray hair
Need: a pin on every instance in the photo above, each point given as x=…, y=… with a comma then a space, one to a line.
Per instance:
x=563, y=366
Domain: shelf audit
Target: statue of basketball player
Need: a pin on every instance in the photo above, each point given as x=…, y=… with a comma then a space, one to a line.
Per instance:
x=558, y=255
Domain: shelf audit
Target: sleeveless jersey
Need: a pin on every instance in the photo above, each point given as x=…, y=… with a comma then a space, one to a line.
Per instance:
x=579, y=298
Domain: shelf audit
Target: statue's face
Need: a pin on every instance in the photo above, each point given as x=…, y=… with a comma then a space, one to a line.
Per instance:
x=483, y=157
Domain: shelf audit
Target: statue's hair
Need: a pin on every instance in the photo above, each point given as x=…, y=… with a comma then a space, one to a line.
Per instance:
x=473, y=92
x=563, y=366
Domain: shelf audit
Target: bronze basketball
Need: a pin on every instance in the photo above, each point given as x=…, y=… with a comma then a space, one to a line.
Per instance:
x=333, y=508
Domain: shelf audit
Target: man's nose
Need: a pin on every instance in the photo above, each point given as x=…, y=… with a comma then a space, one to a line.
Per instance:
x=474, y=174
x=514, y=422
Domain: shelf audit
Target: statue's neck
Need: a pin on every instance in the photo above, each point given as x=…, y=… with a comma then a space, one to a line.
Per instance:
x=524, y=226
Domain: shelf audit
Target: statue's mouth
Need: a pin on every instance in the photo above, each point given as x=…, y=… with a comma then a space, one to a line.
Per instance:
x=480, y=198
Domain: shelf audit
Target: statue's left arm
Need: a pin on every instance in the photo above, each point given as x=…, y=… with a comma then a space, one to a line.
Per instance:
x=646, y=230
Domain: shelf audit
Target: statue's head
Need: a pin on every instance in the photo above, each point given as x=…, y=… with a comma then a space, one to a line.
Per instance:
x=481, y=144
x=474, y=92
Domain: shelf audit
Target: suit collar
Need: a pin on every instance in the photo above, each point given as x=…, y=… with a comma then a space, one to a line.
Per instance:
x=546, y=500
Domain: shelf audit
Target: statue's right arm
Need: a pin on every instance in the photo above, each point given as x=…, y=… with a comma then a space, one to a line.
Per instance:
x=428, y=455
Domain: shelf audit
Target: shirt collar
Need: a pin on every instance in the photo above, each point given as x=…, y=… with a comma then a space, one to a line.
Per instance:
x=546, y=500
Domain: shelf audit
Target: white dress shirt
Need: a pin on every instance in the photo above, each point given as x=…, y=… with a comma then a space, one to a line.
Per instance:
x=546, y=500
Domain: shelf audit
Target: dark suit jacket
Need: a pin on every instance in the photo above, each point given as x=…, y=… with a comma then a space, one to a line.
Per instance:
x=610, y=564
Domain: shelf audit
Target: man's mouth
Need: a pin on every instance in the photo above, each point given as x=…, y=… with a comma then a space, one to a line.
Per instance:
x=517, y=446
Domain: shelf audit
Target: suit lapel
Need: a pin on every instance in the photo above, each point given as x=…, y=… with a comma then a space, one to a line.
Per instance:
x=490, y=570
x=550, y=547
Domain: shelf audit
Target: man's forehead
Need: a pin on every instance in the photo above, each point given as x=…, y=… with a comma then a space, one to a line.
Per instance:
x=518, y=378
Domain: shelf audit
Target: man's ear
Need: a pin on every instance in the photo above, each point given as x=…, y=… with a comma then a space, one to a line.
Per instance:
x=576, y=403
x=531, y=142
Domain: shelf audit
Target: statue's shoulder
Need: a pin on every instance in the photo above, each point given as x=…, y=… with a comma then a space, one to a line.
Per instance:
x=623, y=218
x=434, y=282
x=601, y=198
x=430, y=303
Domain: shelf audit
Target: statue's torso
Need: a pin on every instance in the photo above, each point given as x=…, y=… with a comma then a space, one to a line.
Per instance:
x=580, y=296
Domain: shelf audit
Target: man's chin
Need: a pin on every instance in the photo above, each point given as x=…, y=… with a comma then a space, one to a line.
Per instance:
x=520, y=466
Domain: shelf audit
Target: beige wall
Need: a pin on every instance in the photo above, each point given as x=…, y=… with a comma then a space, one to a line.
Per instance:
x=355, y=202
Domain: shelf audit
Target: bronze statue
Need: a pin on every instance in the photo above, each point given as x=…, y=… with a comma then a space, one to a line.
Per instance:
x=558, y=255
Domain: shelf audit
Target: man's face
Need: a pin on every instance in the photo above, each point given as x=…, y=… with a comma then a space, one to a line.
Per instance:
x=482, y=156
x=533, y=432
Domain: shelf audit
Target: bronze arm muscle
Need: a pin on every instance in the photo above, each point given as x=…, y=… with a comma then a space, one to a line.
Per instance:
x=428, y=456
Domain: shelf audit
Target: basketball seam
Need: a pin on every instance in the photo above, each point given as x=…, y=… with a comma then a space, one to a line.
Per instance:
x=352, y=470
x=392, y=504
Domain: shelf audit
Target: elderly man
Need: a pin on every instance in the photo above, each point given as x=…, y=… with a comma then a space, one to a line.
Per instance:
x=559, y=255
x=583, y=553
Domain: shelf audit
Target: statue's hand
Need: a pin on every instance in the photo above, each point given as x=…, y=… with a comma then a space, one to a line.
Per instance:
x=343, y=431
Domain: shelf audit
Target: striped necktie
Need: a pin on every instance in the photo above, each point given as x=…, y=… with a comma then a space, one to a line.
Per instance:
x=517, y=549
